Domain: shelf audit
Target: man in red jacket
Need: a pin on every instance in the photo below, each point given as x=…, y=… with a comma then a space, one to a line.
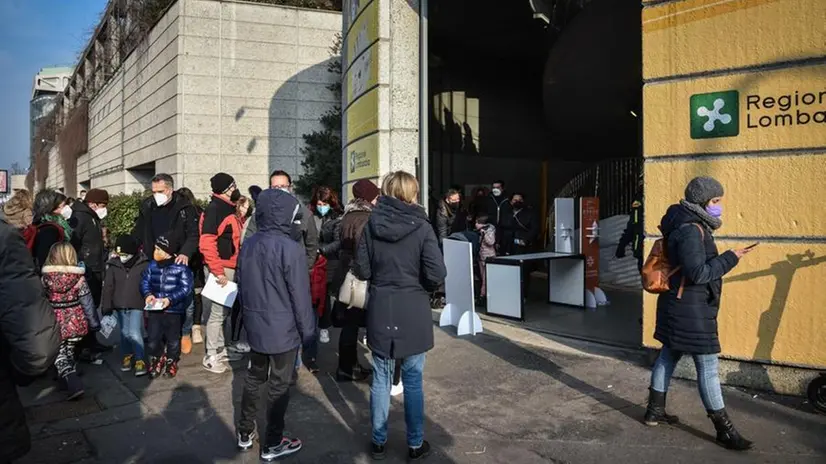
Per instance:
x=219, y=243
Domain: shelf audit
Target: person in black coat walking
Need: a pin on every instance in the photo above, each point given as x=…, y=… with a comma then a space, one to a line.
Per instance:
x=87, y=237
x=687, y=313
x=399, y=254
x=29, y=335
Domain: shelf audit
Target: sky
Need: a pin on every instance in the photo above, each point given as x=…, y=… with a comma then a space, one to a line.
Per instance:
x=35, y=34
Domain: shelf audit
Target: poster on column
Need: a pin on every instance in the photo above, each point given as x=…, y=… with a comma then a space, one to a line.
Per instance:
x=589, y=239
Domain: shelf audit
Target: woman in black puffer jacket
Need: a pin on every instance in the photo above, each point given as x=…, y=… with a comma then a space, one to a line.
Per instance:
x=687, y=314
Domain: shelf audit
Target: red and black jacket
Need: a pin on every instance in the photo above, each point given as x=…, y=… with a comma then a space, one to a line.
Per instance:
x=220, y=235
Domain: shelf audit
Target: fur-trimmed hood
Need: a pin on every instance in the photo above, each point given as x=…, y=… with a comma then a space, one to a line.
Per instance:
x=358, y=204
x=61, y=279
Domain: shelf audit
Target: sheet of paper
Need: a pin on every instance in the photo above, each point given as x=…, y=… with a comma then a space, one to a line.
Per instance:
x=224, y=296
x=107, y=325
x=156, y=305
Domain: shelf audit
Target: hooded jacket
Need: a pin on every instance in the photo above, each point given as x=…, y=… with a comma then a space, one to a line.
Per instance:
x=122, y=286
x=29, y=338
x=399, y=254
x=689, y=323
x=71, y=299
x=87, y=238
x=16, y=214
x=274, y=284
x=302, y=230
x=173, y=281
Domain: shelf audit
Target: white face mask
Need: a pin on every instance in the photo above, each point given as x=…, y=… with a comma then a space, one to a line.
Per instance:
x=125, y=258
x=160, y=199
x=497, y=192
x=102, y=213
x=66, y=212
x=285, y=189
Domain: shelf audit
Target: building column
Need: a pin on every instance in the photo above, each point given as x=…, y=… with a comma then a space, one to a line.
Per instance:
x=380, y=89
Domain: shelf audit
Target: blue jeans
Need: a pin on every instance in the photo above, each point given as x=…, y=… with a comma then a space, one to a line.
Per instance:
x=708, y=378
x=131, y=332
x=411, y=373
x=188, y=320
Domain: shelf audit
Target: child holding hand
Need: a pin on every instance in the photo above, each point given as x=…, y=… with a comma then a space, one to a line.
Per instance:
x=167, y=289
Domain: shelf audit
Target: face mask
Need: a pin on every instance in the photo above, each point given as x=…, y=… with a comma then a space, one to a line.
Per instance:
x=66, y=212
x=453, y=204
x=235, y=195
x=160, y=199
x=714, y=210
x=284, y=189
x=517, y=204
x=323, y=209
x=102, y=213
x=497, y=192
x=125, y=258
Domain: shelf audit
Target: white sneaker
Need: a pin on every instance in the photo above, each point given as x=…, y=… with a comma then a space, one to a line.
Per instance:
x=241, y=347
x=397, y=390
x=197, y=334
x=324, y=336
x=214, y=364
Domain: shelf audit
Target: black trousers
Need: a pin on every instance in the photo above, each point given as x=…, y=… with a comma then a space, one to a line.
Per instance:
x=277, y=371
x=348, y=347
x=165, y=331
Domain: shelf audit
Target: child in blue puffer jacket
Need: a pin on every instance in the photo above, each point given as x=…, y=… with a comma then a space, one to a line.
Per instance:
x=167, y=289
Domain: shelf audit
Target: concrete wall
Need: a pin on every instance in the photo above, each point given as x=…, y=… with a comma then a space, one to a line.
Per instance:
x=253, y=81
x=772, y=308
x=217, y=86
x=133, y=121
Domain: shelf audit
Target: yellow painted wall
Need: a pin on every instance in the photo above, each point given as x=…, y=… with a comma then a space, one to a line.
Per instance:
x=775, y=176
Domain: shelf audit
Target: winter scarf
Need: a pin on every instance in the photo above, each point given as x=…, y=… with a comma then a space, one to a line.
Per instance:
x=58, y=219
x=711, y=221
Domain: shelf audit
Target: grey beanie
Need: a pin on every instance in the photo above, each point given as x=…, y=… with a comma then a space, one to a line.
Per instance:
x=702, y=189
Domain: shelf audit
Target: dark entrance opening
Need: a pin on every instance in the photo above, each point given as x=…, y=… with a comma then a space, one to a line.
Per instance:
x=545, y=95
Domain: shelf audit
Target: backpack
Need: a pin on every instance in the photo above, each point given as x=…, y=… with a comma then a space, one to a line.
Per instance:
x=657, y=270
x=30, y=233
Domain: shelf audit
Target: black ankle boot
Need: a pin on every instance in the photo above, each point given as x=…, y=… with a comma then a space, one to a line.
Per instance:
x=655, y=413
x=74, y=386
x=727, y=435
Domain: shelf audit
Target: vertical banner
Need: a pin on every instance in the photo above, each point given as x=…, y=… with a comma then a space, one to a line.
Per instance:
x=4, y=182
x=589, y=239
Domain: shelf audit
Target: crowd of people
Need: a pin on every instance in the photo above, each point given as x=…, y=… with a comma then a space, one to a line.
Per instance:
x=289, y=261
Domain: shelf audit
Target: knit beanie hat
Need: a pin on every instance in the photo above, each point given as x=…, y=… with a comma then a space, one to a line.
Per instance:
x=702, y=189
x=365, y=190
x=219, y=182
x=97, y=196
x=127, y=245
x=166, y=244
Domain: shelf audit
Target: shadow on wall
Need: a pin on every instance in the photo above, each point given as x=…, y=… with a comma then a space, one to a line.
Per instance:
x=294, y=110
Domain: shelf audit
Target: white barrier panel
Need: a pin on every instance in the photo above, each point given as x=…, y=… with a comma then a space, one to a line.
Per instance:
x=564, y=225
x=460, y=308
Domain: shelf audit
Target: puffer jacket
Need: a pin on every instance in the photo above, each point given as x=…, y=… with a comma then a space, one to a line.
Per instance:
x=399, y=254
x=29, y=338
x=347, y=235
x=16, y=214
x=329, y=243
x=688, y=322
x=168, y=280
x=71, y=299
x=273, y=280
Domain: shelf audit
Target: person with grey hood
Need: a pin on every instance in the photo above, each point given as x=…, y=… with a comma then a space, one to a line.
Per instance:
x=687, y=312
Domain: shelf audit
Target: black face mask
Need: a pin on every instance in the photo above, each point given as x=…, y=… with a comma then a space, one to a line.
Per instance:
x=235, y=196
x=517, y=204
x=453, y=206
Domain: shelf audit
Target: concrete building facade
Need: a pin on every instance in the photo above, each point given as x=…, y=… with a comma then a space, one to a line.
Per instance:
x=216, y=86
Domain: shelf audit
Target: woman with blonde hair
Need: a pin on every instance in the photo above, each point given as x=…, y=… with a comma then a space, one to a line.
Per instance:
x=74, y=309
x=399, y=254
x=18, y=210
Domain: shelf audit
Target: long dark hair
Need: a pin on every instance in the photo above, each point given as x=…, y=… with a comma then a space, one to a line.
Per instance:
x=45, y=202
x=326, y=195
x=186, y=193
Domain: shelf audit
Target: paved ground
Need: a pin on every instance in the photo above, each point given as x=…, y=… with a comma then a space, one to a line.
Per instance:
x=489, y=400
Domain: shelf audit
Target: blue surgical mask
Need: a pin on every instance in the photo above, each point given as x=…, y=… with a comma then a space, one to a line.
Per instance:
x=323, y=209
x=714, y=210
